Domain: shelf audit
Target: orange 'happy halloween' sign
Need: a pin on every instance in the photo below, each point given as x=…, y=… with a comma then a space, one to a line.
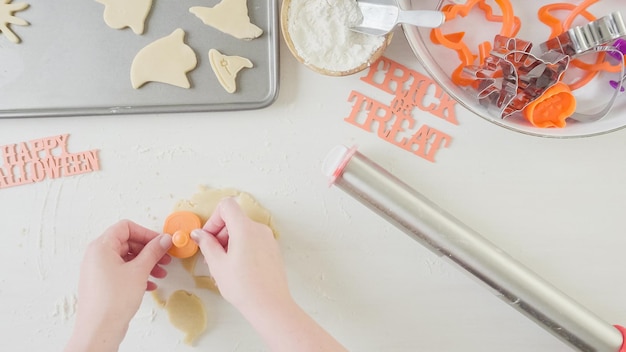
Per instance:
x=40, y=159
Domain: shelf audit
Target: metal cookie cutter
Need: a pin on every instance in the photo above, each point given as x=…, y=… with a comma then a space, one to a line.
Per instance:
x=618, y=84
x=594, y=37
x=581, y=39
x=511, y=77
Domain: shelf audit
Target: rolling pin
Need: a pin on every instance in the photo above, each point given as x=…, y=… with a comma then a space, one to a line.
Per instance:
x=448, y=237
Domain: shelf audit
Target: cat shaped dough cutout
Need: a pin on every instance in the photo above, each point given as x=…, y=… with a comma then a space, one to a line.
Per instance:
x=120, y=14
x=230, y=17
x=166, y=60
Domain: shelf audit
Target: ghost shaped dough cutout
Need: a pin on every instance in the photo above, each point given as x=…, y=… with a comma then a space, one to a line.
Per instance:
x=166, y=60
x=186, y=313
x=120, y=14
x=7, y=10
x=230, y=17
x=226, y=68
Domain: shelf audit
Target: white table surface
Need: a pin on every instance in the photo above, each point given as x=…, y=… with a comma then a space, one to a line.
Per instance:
x=556, y=205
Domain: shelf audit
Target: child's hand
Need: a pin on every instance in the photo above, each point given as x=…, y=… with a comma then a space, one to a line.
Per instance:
x=244, y=259
x=114, y=275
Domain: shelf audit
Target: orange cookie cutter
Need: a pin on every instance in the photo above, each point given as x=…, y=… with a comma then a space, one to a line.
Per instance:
x=510, y=26
x=552, y=108
x=179, y=225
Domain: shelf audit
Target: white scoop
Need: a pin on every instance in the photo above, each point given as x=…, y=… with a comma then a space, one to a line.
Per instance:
x=380, y=19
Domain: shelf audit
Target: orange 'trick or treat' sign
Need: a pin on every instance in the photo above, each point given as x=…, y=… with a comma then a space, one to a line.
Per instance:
x=179, y=225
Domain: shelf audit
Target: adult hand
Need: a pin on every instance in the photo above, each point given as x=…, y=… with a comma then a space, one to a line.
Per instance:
x=114, y=275
x=244, y=259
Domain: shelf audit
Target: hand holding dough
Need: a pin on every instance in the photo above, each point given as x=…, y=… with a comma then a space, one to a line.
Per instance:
x=120, y=14
x=230, y=17
x=186, y=310
x=244, y=258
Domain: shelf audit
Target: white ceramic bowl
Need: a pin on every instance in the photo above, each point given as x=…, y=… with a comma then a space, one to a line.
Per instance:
x=440, y=62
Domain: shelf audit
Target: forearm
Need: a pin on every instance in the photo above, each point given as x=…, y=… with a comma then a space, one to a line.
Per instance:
x=95, y=338
x=286, y=327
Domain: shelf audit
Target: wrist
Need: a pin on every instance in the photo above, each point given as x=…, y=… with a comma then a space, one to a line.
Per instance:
x=286, y=327
x=99, y=337
x=259, y=309
x=273, y=318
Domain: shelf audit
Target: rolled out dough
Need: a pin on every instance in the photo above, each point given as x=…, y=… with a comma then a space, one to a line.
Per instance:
x=204, y=202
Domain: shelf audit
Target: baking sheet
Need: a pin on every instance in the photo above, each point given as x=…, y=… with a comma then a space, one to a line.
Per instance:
x=71, y=63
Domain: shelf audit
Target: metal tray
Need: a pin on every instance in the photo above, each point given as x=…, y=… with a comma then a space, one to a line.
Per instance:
x=71, y=63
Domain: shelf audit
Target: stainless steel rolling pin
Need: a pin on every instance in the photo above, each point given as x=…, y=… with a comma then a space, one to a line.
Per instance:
x=434, y=228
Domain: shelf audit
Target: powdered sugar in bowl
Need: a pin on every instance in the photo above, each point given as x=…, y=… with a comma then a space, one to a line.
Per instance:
x=318, y=35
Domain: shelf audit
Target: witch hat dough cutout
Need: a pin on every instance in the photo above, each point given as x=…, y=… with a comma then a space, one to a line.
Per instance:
x=166, y=60
x=6, y=18
x=226, y=68
x=120, y=14
x=230, y=17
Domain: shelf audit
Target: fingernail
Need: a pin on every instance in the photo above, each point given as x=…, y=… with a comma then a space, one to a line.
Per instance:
x=196, y=234
x=165, y=241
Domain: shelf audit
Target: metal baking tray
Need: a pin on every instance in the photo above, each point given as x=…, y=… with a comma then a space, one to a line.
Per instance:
x=71, y=63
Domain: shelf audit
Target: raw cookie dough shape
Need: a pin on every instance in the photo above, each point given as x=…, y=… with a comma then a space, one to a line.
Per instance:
x=7, y=18
x=226, y=68
x=186, y=312
x=230, y=17
x=120, y=14
x=166, y=60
